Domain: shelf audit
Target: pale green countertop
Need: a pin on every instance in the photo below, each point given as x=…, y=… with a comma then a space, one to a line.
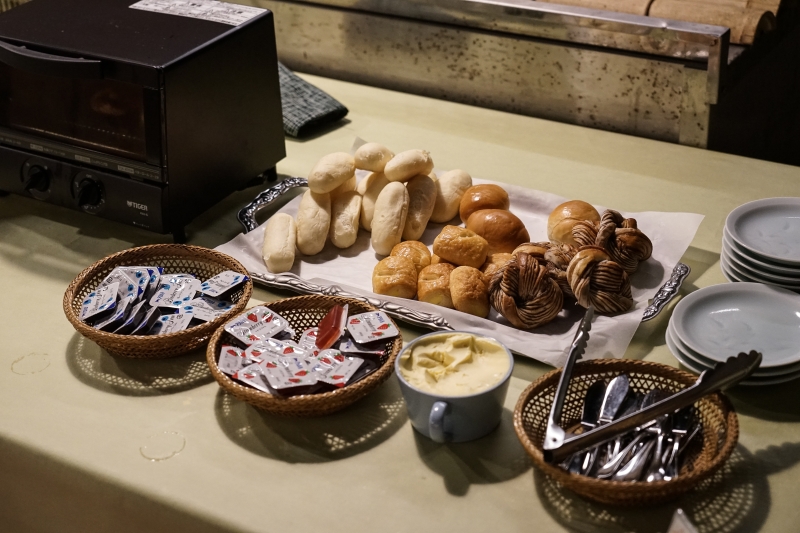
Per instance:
x=80, y=431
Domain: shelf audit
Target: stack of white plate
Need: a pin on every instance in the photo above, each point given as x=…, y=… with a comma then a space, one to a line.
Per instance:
x=761, y=243
x=717, y=322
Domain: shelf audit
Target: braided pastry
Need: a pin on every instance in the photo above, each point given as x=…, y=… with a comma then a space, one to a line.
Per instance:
x=619, y=236
x=524, y=292
x=555, y=257
x=596, y=279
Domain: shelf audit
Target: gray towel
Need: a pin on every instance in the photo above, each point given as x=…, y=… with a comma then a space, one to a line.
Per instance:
x=305, y=107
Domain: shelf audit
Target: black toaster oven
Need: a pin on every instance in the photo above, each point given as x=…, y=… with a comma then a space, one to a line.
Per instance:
x=146, y=113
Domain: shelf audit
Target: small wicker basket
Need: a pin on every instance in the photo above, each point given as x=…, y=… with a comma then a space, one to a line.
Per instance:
x=718, y=419
x=174, y=258
x=302, y=313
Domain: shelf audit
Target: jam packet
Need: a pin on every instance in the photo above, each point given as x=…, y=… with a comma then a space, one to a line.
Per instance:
x=233, y=359
x=175, y=291
x=288, y=372
x=348, y=346
x=331, y=327
x=253, y=375
x=275, y=348
x=332, y=367
x=206, y=308
x=257, y=324
x=308, y=341
x=222, y=283
x=99, y=301
x=171, y=323
x=372, y=326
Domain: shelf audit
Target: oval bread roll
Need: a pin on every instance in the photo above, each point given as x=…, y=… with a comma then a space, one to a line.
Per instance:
x=502, y=229
x=372, y=156
x=375, y=184
x=486, y=196
x=422, y=196
x=349, y=185
x=331, y=171
x=395, y=276
x=433, y=285
x=391, y=209
x=408, y=164
x=565, y=216
x=460, y=246
x=414, y=250
x=280, y=237
x=313, y=222
x=451, y=187
x=469, y=291
x=345, y=212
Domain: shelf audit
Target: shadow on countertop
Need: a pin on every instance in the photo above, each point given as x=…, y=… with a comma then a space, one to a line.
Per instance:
x=95, y=367
x=356, y=429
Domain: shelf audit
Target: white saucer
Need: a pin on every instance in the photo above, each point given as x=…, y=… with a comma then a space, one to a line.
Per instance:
x=726, y=319
x=743, y=275
x=709, y=363
x=769, y=228
x=761, y=263
x=699, y=369
x=753, y=269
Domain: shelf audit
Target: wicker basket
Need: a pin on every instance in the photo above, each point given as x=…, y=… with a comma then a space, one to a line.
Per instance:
x=302, y=313
x=720, y=429
x=174, y=258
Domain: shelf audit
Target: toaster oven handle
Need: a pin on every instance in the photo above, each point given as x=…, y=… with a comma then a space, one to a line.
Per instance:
x=49, y=64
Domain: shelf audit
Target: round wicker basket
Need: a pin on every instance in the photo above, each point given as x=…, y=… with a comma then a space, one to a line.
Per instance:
x=302, y=313
x=174, y=258
x=704, y=457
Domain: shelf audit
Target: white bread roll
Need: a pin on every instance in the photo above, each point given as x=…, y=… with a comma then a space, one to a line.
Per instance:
x=377, y=181
x=345, y=213
x=422, y=196
x=450, y=186
x=280, y=236
x=372, y=156
x=391, y=209
x=408, y=164
x=331, y=171
x=349, y=185
x=313, y=222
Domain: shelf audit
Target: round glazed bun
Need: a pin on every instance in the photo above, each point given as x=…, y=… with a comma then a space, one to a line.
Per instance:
x=501, y=229
x=414, y=250
x=330, y=172
x=395, y=276
x=563, y=217
x=487, y=196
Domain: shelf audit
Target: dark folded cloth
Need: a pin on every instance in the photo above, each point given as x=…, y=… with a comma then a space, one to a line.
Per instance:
x=305, y=107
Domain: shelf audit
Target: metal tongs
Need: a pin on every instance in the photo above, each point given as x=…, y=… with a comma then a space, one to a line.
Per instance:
x=559, y=444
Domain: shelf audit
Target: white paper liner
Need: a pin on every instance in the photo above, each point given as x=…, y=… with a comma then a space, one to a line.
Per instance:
x=351, y=269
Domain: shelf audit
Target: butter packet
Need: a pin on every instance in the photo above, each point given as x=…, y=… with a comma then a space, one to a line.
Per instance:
x=276, y=348
x=99, y=301
x=233, y=359
x=222, y=283
x=131, y=320
x=171, y=323
x=117, y=317
x=372, y=326
x=253, y=375
x=348, y=346
x=147, y=321
x=126, y=286
x=257, y=324
x=175, y=291
x=206, y=308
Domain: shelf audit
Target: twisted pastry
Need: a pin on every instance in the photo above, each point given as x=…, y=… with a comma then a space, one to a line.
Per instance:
x=596, y=279
x=524, y=292
x=618, y=236
x=555, y=257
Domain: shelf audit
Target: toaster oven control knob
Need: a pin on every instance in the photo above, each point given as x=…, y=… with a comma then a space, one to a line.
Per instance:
x=38, y=179
x=90, y=195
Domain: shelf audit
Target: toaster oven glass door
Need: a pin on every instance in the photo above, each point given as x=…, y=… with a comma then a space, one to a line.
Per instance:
x=99, y=114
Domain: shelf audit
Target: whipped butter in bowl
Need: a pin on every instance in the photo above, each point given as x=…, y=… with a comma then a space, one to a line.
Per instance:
x=454, y=384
